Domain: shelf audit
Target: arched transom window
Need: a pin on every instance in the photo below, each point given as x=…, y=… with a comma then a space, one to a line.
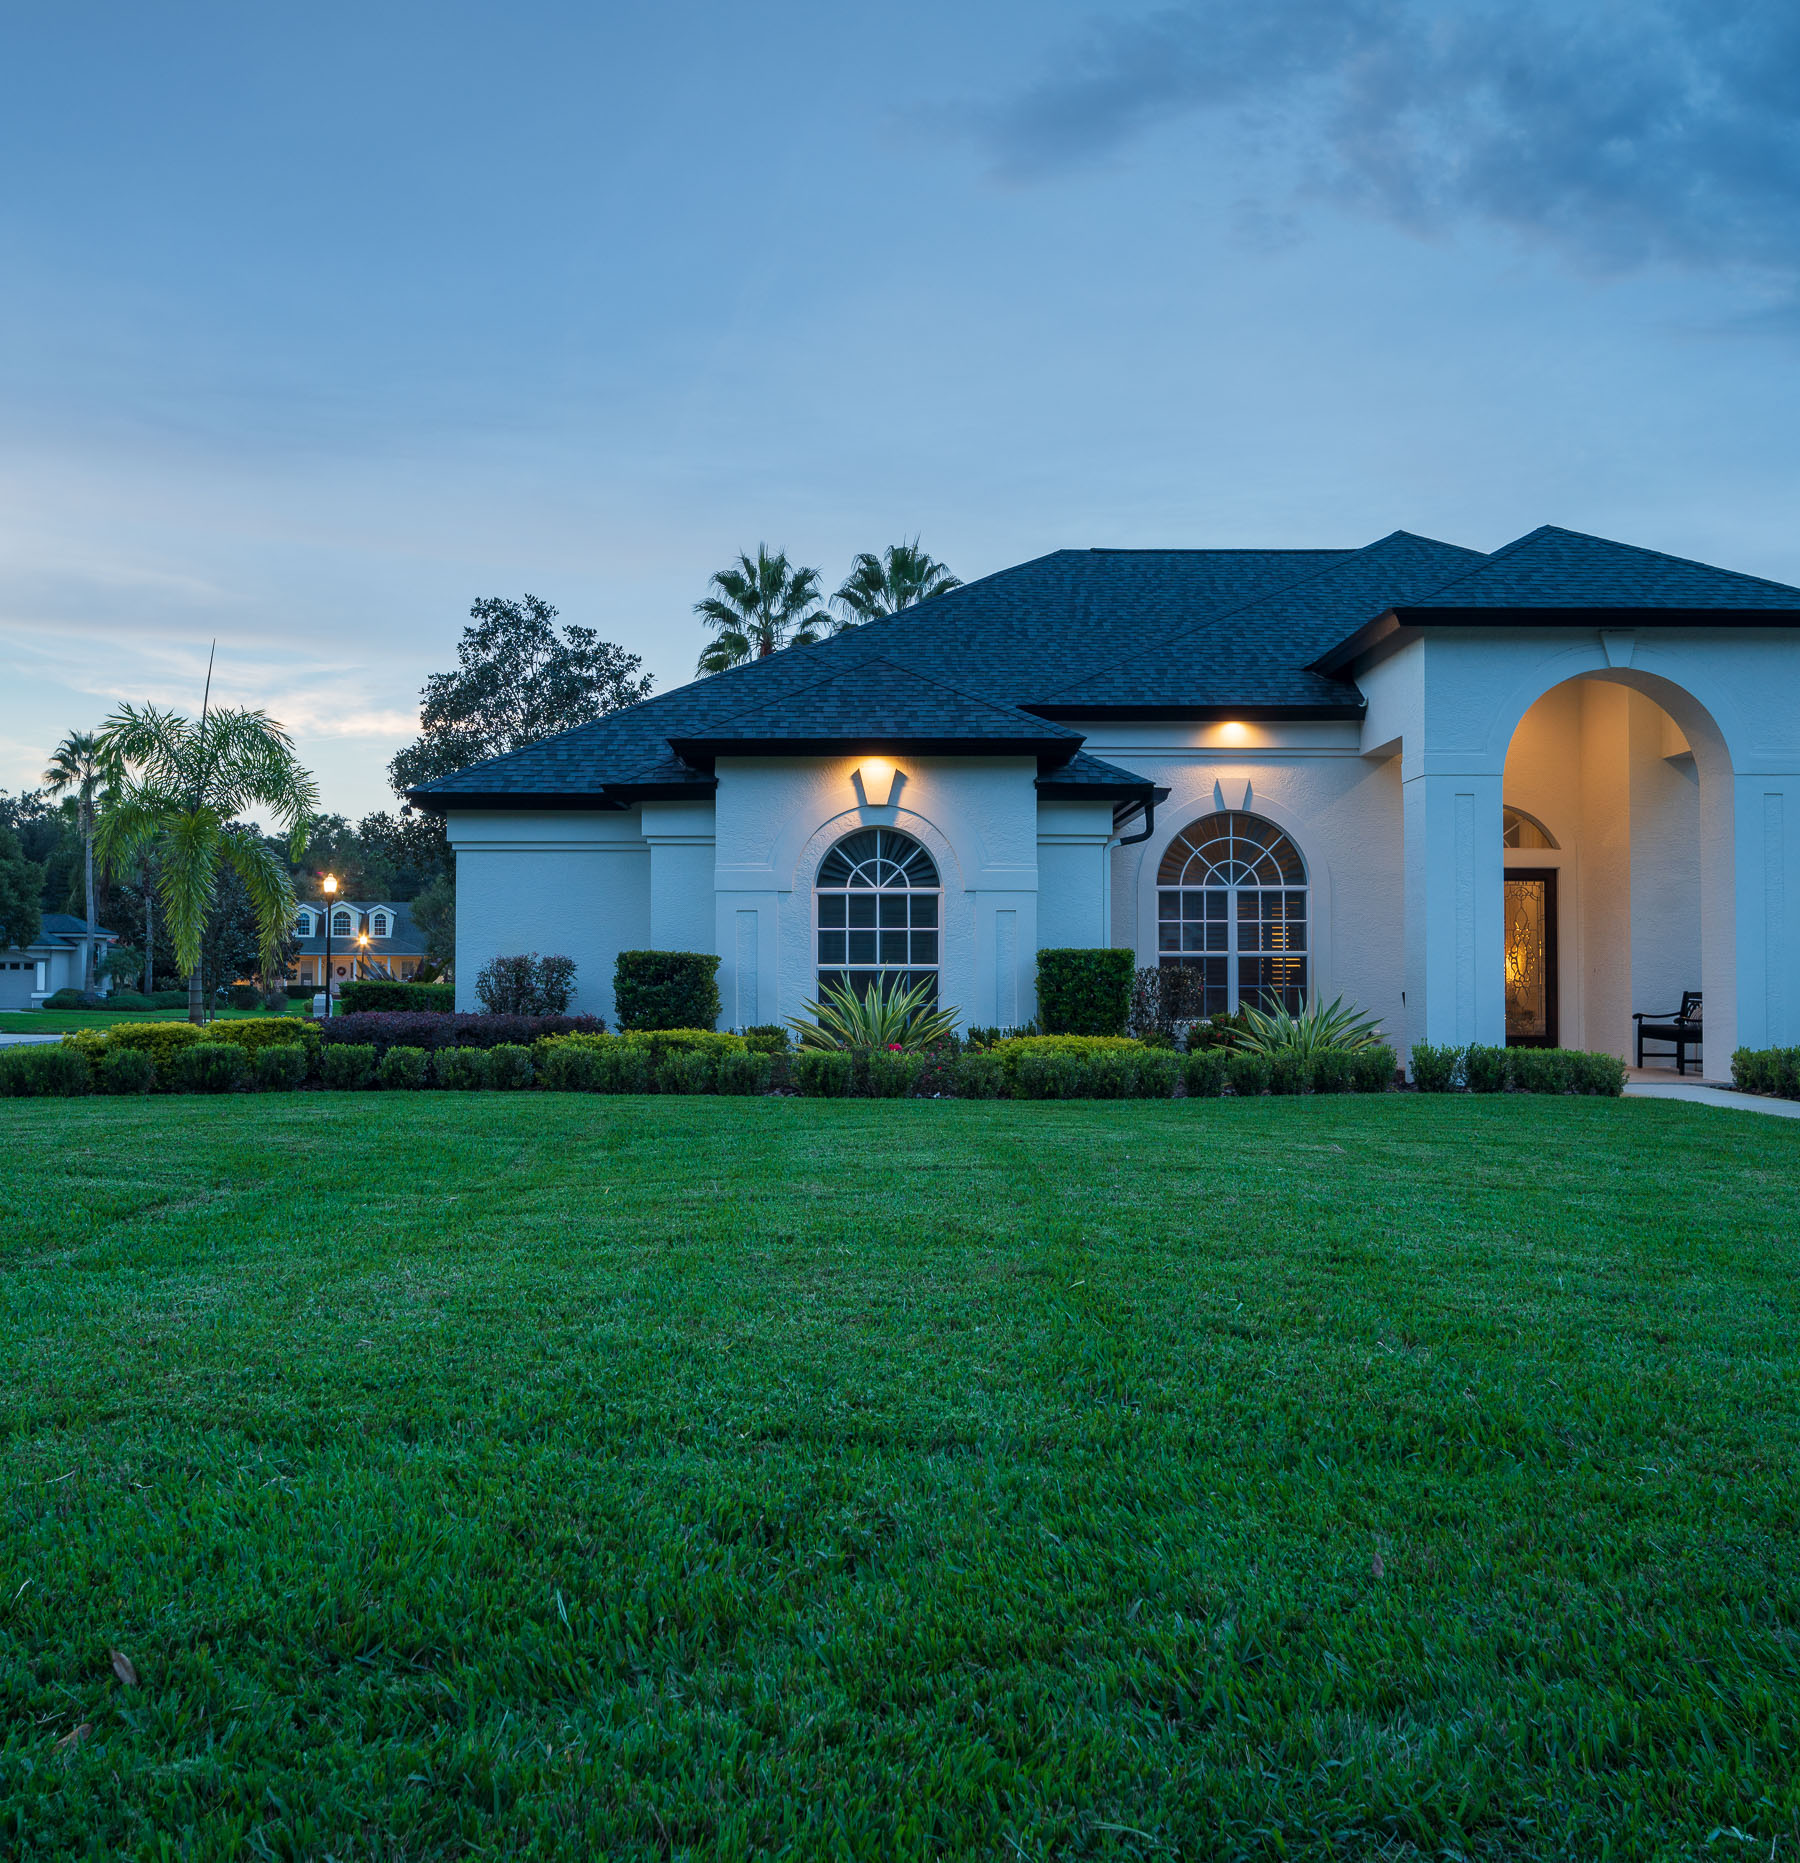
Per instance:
x=877, y=900
x=342, y=926
x=1522, y=830
x=1231, y=902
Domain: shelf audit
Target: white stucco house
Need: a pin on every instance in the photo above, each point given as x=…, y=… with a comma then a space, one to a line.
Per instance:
x=1483, y=796
x=57, y=960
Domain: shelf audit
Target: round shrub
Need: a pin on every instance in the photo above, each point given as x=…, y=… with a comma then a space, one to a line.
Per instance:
x=1207, y=1070
x=210, y=1067
x=1084, y=992
x=126, y=1070
x=462, y=1070
x=576, y=1066
x=746, y=1073
x=1246, y=1074
x=405, y=1068
x=280, y=1068
x=1373, y=1069
x=1333, y=1071
x=692, y=1071
x=509, y=1067
x=347, y=1066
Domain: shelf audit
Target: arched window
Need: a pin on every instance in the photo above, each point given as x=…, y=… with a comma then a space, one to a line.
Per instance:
x=343, y=924
x=378, y=925
x=1231, y=902
x=876, y=902
x=1522, y=830
x=302, y=924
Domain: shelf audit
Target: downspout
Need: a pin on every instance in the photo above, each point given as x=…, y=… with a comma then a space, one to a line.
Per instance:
x=1131, y=840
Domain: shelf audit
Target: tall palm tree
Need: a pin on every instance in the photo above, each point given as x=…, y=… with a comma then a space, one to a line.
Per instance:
x=80, y=769
x=882, y=585
x=759, y=607
x=183, y=782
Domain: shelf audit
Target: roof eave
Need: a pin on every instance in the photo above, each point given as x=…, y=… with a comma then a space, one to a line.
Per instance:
x=1262, y=714
x=703, y=752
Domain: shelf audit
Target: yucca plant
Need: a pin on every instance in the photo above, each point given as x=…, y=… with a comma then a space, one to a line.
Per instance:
x=880, y=1018
x=1316, y=1029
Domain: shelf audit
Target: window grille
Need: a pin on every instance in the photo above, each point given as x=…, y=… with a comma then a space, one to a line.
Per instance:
x=1232, y=903
x=876, y=913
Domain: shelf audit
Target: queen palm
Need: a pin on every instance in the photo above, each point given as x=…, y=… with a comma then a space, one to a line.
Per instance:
x=183, y=782
x=759, y=606
x=79, y=769
x=882, y=585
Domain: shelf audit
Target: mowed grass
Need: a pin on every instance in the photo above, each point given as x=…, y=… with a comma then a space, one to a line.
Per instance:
x=520, y=1476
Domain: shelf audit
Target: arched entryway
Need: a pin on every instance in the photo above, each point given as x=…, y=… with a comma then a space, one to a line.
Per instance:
x=1617, y=855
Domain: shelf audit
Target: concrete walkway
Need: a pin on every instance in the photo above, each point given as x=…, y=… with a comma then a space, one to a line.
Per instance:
x=25, y=1041
x=1642, y=1086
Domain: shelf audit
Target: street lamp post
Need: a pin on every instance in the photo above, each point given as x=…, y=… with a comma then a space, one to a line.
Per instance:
x=362, y=953
x=329, y=886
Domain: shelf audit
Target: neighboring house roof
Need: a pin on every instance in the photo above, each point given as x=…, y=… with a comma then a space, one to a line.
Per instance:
x=404, y=939
x=62, y=930
x=999, y=665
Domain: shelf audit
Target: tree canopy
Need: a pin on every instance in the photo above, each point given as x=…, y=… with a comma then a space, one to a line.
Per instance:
x=758, y=606
x=21, y=891
x=518, y=679
x=882, y=585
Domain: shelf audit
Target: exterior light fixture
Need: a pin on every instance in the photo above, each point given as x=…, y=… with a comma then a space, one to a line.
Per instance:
x=1234, y=731
x=328, y=886
x=876, y=782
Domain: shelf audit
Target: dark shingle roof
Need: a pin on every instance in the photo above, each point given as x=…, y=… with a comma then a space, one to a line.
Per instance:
x=874, y=704
x=1096, y=633
x=1254, y=657
x=1565, y=570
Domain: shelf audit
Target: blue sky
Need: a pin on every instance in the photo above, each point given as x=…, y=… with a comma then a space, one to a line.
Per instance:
x=319, y=323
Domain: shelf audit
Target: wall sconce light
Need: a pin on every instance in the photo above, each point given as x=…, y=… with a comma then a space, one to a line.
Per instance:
x=1234, y=731
x=877, y=783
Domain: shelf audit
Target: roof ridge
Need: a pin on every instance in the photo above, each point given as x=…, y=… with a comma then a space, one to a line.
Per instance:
x=1225, y=614
x=906, y=672
x=1611, y=543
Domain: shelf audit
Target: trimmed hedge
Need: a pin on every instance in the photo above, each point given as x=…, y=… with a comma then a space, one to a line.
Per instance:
x=279, y=1069
x=460, y=1070
x=1774, y=1071
x=385, y=1029
x=127, y=1070
x=1084, y=992
x=666, y=989
x=404, y=1068
x=1483, y=1069
x=40, y=1071
x=210, y=1067
x=404, y=998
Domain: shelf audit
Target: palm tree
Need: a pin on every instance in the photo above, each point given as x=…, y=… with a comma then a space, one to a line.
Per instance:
x=79, y=768
x=183, y=783
x=759, y=607
x=883, y=585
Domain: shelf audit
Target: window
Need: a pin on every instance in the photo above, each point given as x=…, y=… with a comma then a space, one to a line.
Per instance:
x=378, y=925
x=1522, y=830
x=303, y=925
x=343, y=923
x=877, y=901
x=1231, y=903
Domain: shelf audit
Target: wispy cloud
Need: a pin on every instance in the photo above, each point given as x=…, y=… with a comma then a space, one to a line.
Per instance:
x=1622, y=131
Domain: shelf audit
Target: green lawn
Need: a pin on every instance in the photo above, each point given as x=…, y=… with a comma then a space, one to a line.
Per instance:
x=517, y=1476
x=63, y=1021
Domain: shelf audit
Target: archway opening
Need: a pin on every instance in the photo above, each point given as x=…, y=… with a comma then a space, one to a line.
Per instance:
x=1613, y=864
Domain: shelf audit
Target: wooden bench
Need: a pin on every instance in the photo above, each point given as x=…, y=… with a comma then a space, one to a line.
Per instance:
x=1680, y=1028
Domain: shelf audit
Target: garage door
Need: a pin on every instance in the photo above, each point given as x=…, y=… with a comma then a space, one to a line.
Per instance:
x=18, y=978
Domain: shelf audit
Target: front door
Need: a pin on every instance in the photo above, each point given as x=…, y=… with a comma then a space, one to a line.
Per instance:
x=1531, y=957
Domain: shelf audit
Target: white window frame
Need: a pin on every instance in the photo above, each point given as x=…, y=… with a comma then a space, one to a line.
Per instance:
x=1235, y=880
x=908, y=970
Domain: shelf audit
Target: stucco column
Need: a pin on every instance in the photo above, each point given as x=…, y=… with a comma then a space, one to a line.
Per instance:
x=1768, y=922
x=1455, y=910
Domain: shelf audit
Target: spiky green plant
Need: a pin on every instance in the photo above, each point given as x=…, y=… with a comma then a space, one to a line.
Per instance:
x=878, y=1018
x=183, y=781
x=1318, y=1028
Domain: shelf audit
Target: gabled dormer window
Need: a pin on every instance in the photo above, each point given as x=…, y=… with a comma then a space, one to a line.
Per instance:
x=343, y=923
x=380, y=925
x=303, y=925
